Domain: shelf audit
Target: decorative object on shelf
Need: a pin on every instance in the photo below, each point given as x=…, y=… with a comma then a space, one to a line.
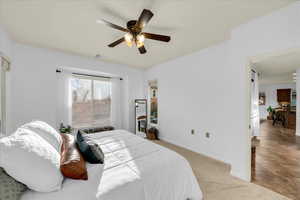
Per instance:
x=141, y=117
x=65, y=129
x=152, y=133
x=262, y=98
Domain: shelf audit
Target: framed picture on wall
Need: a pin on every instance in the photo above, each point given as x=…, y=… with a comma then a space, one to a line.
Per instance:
x=262, y=98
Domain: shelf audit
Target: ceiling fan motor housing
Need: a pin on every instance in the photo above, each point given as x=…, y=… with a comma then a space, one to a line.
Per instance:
x=134, y=30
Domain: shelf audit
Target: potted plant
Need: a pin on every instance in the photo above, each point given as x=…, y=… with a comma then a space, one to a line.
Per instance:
x=270, y=111
x=65, y=129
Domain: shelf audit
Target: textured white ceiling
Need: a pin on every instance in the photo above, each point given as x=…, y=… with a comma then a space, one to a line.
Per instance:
x=277, y=67
x=70, y=25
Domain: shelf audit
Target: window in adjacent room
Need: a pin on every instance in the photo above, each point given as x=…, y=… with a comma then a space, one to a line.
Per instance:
x=91, y=101
x=153, y=102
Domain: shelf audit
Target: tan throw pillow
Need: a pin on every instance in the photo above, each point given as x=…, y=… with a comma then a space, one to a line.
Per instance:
x=72, y=163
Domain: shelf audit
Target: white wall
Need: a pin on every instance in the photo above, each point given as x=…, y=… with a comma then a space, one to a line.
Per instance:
x=34, y=89
x=193, y=95
x=209, y=90
x=270, y=91
x=5, y=43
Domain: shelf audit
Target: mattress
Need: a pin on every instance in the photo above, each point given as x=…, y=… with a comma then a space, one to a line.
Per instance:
x=134, y=169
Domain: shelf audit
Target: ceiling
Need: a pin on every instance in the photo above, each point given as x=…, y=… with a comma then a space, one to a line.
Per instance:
x=277, y=67
x=70, y=25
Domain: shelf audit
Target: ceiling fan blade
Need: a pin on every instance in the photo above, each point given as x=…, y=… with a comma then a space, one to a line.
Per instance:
x=152, y=36
x=142, y=49
x=144, y=18
x=115, y=43
x=107, y=23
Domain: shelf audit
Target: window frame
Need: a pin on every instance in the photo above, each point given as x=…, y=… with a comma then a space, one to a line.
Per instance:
x=91, y=78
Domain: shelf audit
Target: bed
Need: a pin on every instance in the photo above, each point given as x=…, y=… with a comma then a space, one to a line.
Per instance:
x=134, y=169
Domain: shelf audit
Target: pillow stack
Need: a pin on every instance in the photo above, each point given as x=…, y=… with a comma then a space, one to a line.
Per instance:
x=39, y=157
x=31, y=156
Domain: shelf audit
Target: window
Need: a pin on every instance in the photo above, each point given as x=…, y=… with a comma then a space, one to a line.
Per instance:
x=91, y=101
x=153, y=105
x=153, y=102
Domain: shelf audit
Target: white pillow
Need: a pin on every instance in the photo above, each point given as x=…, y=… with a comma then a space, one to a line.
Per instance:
x=47, y=132
x=31, y=160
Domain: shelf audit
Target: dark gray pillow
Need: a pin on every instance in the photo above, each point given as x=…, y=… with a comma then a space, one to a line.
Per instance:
x=89, y=149
x=10, y=189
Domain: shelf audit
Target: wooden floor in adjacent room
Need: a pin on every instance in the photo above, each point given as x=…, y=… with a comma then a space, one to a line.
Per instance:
x=278, y=160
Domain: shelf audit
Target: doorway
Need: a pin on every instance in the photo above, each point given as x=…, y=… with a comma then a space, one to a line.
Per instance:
x=275, y=144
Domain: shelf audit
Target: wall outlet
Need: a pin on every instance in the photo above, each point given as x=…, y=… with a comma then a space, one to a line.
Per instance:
x=193, y=131
x=207, y=135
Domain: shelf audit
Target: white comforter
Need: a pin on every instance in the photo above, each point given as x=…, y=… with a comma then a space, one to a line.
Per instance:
x=134, y=169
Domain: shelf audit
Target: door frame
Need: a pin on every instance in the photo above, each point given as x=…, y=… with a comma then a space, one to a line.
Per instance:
x=248, y=117
x=3, y=92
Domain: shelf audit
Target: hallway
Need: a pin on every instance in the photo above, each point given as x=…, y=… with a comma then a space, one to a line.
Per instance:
x=278, y=160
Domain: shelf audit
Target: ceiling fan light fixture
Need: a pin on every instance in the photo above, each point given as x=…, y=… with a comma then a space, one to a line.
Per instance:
x=139, y=44
x=128, y=39
x=140, y=40
x=129, y=44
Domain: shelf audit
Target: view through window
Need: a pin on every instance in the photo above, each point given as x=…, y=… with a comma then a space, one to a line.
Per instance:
x=91, y=101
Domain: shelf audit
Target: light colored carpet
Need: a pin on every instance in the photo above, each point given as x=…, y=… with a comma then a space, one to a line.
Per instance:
x=216, y=182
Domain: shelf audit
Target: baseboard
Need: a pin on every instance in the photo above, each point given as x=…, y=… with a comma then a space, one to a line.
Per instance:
x=233, y=172
x=168, y=140
x=240, y=175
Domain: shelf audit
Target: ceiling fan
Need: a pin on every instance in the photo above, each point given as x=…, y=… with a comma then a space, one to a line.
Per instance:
x=134, y=32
